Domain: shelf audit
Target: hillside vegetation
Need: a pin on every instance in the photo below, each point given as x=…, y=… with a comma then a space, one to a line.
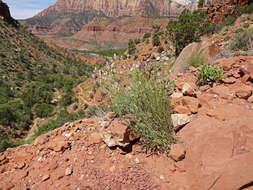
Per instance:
x=34, y=80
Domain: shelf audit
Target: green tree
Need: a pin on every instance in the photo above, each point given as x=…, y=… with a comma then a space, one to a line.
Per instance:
x=188, y=28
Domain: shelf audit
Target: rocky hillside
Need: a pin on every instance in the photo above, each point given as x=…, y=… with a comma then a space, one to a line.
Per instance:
x=214, y=139
x=151, y=120
x=69, y=16
x=219, y=10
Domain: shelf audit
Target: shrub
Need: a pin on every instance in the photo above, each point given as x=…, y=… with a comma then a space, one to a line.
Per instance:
x=51, y=125
x=75, y=106
x=66, y=99
x=208, y=74
x=155, y=40
x=146, y=102
x=131, y=47
x=196, y=59
x=44, y=110
x=160, y=49
x=246, y=10
x=188, y=28
x=137, y=41
x=147, y=35
x=243, y=40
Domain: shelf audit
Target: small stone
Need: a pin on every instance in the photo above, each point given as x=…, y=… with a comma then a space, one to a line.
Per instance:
x=177, y=152
x=182, y=110
x=176, y=95
x=45, y=177
x=112, y=169
x=187, y=90
x=179, y=120
x=191, y=103
x=229, y=80
x=68, y=171
x=137, y=161
x=162, y=177
x=244, y=94
x=250, y=99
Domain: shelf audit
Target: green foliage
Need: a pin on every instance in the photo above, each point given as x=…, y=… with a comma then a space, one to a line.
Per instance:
x=137, y=41
x=67, y=99
x=105, y=52
x=31, y=75
x=188, y=28
x=15, y=114
x=160, y=49
x=228, y=21
x=51, y=125
x=243, y=40
x=44, y=110
x=146, y=102
x=147, y=35
x=246, y=10
x=156, y=40
x=208, y=74
x=196, y=59
x=75, y=106
x=131, y=47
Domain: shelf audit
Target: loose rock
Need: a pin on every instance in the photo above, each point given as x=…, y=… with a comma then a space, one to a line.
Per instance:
x=179, y=120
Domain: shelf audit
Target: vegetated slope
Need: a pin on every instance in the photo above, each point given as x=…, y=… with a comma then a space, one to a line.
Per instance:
x=31, y=74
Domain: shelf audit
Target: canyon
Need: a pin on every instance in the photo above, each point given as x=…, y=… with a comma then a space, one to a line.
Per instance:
x=64, y=21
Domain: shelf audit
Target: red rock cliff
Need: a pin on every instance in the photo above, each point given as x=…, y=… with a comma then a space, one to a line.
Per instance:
x=115, y=8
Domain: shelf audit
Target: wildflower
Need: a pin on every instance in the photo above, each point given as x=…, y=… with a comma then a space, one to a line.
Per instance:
x=123, y=66
x=105, y=73
x=105, y=78
x=115, y=83
x=138, y=64
x=112, y=65
x=94, y=75
x=114, y=70
x=114, y=56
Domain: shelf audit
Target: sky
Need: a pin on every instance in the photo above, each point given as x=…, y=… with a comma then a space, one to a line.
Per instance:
x=21, y=9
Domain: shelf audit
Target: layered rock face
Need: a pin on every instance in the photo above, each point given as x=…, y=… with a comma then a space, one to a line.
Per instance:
x=68, y=16
x=115, y=8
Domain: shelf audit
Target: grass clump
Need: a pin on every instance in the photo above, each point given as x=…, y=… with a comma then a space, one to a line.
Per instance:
x=208, y=74
x=196, y=59
x=146, y=103
x=147, y=35
x=243, y=40
x=160, y=49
